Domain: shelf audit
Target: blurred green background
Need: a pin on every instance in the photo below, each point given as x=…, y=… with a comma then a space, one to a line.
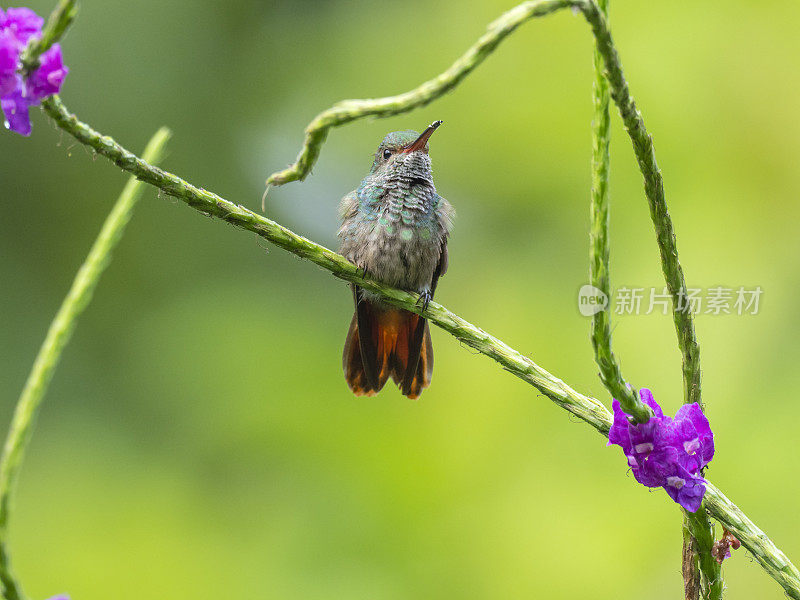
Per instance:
x=199, y=441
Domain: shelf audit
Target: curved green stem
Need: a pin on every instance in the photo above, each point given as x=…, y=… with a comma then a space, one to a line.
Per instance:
x=350, y=110
x=57, y=337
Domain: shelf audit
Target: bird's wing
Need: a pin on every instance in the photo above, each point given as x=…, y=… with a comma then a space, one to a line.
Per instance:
x=441, y=267
x=445, y=214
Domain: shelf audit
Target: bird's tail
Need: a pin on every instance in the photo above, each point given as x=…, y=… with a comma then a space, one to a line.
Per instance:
x=387, y=342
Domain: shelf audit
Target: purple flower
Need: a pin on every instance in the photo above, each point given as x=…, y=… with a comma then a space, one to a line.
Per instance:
x=47, y=79
x=9, y=55
x=17, y=94
x=667, y=452
x=15, y=108
x=22, y=23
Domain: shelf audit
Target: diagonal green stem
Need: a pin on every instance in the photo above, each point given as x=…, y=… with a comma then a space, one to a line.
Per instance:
x=351, y=110
x=57, y=337
x=588, y=409
x=773, y=561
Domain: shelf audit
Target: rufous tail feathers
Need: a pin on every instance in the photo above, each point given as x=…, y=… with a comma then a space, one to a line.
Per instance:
x=387, y=342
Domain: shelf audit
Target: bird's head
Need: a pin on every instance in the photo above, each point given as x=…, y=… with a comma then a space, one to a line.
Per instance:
x=404, y=151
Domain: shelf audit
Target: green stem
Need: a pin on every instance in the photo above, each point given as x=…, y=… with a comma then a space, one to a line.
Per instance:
x=701, y=540
x=350, y=110
x=654, y=191
x=57, y=337
x=588, y=409
x=690, y=567
x=756, y=541
x=347, y=111
x=57, y=24
x=698, y=524
x=610, y=373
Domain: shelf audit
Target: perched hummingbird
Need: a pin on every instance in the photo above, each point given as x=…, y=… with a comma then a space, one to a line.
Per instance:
x=394, y=228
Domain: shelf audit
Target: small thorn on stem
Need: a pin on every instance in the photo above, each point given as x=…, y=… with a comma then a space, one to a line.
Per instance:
x=264, y=199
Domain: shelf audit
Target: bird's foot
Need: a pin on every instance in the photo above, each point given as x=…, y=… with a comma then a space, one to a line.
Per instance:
x=425, y=298
x=361, y=271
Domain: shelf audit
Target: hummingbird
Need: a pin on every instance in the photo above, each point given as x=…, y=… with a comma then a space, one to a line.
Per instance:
x=395, y=229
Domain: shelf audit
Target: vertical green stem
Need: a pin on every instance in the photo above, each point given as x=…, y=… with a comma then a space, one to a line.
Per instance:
x=610, y=372
x=57, y=337
x=698, y=529
x=701, y=538
x=654, y=191
x=690, y=566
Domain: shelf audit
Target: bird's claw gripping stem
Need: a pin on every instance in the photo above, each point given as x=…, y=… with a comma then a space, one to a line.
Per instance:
x=425, y=299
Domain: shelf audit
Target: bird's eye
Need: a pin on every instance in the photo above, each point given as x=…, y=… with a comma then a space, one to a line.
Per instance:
x=386, y=154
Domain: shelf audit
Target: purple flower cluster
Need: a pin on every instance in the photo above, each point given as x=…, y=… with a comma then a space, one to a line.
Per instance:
x=667, y=452
x=17, y=94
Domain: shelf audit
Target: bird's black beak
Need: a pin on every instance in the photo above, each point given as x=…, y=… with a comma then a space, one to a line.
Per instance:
x=422, y=140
